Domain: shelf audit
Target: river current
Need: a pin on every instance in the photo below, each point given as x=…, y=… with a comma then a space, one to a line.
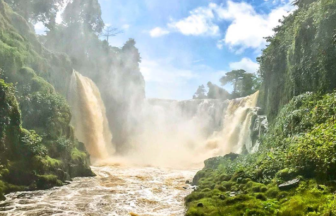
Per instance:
x=115, y=191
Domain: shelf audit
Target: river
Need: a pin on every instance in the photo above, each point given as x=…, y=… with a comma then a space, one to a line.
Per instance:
x=115, y=191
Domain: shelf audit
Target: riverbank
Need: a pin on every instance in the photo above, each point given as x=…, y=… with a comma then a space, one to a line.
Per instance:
x=292, y=174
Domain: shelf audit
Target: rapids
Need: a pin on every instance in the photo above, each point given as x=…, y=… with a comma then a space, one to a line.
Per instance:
x=115, y=191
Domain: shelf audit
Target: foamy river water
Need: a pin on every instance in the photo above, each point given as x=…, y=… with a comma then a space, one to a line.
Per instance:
x=114, y=191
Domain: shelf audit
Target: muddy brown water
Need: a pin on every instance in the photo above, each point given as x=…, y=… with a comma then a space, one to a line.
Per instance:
x=115, y=191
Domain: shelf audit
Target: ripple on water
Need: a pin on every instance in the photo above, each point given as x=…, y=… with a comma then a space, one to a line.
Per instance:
x=115, y=191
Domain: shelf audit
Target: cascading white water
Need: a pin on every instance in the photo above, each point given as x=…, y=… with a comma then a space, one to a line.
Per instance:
x=89, y=117
x=235, y=133
x=185, y=133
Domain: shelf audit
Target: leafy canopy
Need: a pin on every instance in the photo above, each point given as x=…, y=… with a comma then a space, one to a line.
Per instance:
x=243, y=83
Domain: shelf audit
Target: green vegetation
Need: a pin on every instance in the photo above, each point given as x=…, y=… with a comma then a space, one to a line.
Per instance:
x=293, y=173
x=300, y=57
x=243, y=83
x=36, y=140
x=300, y=144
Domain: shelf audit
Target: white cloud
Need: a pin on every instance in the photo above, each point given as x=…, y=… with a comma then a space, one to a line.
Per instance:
x=158, y=32
x=245, y=64
x=248, y=28
x=199, y=22
x=125, y=27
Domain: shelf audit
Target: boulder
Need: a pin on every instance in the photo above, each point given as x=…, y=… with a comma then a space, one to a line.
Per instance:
x=290, y=184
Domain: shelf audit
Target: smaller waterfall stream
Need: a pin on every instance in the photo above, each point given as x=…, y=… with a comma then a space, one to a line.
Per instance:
x=235, y=134
x=89, y=117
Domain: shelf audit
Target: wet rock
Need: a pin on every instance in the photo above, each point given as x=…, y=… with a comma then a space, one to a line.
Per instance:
x=187, y=182
x=231, y=156
x=185, y=188
x=200, y=205
x=259, y=126
x=194, y=187
x=5, y=204
x=2, y=197
x=290, y=184
x=22, y=195
x=67, y=182
x=6, y=208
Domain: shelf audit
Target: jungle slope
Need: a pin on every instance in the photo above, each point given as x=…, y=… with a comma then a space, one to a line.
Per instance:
x=300, y=57
x=38, y=149
x=300, y=144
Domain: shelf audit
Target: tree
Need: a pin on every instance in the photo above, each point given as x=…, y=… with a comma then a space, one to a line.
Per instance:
x=200, y=93
x=111, y=32
x=85, y=15
x=233, y=78
x=243, y=83
x=302, y=3
x=216, y=92
x=37, y=10
x=246, y=84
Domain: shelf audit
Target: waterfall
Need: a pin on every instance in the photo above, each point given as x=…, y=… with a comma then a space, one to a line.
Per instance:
x=236, y=130
x=188, y=131
x=89, y=117
x=191, y=131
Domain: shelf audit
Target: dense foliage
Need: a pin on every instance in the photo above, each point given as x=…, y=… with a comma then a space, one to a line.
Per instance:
x=301, y=56
x=301, y=143
x=37, y=145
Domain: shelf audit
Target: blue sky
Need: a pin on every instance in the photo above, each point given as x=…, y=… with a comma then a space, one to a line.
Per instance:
x=186, y=43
